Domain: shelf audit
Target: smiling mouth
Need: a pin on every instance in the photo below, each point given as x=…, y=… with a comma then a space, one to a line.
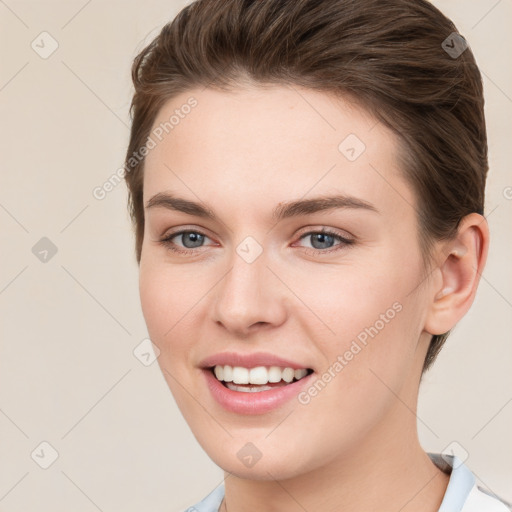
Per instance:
x=257, y=379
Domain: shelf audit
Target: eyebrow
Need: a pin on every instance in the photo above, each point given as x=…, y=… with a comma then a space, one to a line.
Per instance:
x=282, y=211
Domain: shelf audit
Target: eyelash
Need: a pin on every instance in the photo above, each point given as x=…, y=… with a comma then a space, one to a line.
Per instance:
x=166, y=242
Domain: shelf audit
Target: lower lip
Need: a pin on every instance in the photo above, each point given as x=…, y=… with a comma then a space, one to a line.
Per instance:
x=253, y=403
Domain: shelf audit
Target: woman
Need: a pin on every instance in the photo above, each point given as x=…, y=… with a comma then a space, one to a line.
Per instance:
x=306, y=183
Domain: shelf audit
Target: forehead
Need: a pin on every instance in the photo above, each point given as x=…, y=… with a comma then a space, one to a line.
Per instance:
x=271, y=143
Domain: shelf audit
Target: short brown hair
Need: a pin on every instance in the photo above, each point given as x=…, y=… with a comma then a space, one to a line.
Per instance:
x=392, y=56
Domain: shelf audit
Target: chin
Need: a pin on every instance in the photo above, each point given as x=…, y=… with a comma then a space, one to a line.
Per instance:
x=258, y=460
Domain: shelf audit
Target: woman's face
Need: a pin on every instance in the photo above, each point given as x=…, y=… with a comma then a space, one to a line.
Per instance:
x=258, y=278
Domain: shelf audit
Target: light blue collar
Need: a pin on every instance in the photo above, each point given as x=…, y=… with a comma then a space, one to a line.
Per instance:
x=460, y=484
x=211, y=503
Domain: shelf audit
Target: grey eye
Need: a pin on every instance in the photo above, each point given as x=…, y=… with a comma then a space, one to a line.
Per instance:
x=191, y=239
x=321, y=240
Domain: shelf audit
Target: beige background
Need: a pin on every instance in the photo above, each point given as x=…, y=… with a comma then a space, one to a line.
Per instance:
x=68, y=375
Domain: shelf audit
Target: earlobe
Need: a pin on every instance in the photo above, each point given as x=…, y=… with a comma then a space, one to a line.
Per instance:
x=461, y=262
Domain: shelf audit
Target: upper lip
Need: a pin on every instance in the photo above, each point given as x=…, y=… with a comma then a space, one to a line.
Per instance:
x=249, y=360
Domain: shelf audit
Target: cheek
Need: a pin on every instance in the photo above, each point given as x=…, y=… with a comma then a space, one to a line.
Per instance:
x=165, y=301
x=345, y=300
x=166, y=295
x=370, y=323
x=367, y=367
x=156, y=301
x=173, y=309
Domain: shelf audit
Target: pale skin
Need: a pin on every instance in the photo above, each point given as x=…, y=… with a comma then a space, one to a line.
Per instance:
x=241, y=154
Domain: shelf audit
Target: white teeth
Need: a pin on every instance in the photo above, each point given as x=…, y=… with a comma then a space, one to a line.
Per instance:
x=260, y=375
x=219, y=372
x=288, y=374
x=274, y=374
x=298, y=374
x=228, y=373
x=252, y=389
x=240, y=375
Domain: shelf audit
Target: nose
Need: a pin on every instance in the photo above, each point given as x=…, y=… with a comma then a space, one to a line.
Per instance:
x=249, y=297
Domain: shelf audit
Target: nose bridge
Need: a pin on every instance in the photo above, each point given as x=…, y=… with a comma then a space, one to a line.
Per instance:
x=248, y=294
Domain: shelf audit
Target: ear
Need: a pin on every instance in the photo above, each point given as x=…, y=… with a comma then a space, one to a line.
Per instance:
x=460, y=263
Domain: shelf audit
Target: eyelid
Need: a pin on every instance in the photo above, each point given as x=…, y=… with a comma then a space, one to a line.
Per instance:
x=327, y=230
x=169, y=233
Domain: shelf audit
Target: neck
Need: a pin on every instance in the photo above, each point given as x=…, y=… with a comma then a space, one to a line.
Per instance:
x=388, y=472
